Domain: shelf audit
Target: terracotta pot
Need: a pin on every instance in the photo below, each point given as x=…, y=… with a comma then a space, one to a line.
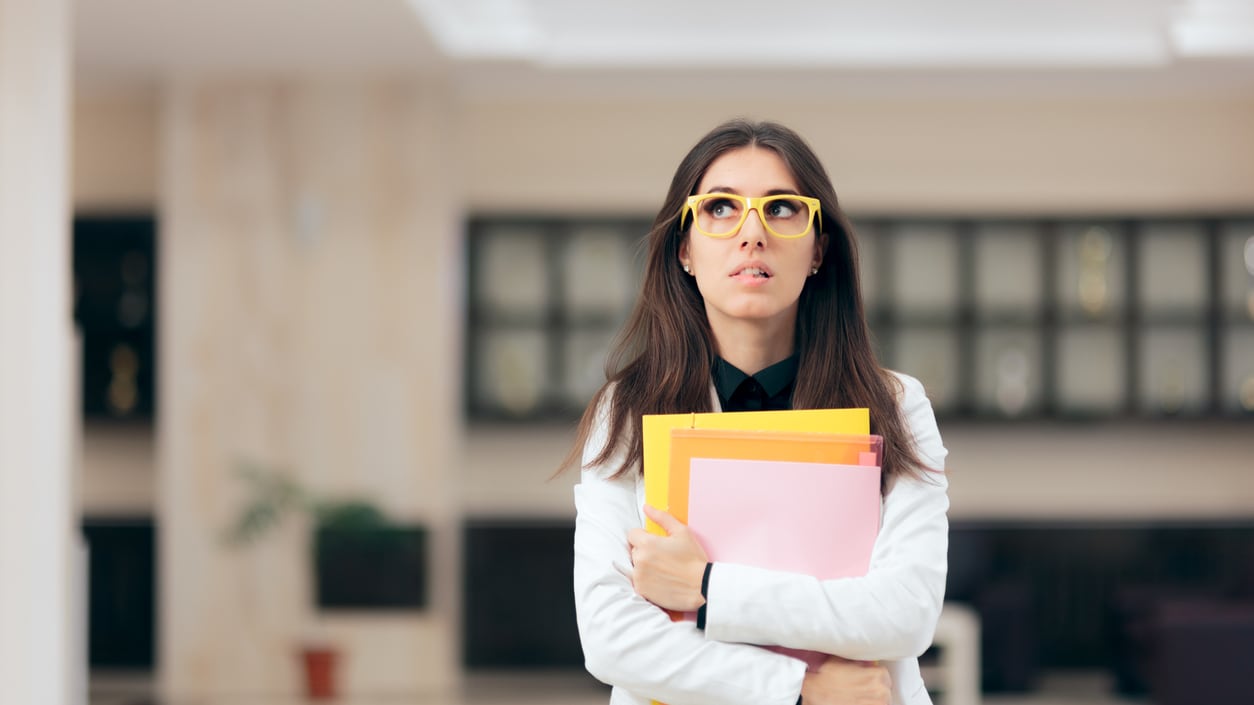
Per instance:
x=320, y=663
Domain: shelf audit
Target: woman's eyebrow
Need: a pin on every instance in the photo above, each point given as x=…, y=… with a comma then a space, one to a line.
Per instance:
x=772, y=192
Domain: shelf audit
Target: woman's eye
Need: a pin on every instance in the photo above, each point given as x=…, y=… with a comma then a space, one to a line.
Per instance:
x=782, y=209
x=720, y=208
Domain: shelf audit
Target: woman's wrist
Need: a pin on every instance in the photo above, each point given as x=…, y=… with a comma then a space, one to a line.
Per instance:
x=705, y=599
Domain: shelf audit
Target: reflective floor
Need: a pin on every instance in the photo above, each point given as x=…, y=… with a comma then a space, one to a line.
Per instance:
x=565, y=688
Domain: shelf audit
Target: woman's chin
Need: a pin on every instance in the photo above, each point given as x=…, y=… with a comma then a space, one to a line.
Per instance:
x=756, y=313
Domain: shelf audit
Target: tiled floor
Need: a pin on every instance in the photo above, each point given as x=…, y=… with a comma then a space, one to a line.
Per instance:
x=1083, y=688
x=1066, y=688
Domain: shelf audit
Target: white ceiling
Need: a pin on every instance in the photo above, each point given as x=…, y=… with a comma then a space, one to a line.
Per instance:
x=152, y=39
x=688, y=47
x=878, y=33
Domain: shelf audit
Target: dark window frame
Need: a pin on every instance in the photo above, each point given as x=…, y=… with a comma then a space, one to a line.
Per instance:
x=1048, y=319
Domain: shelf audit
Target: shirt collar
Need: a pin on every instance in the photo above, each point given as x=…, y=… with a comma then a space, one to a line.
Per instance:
x=774, y=379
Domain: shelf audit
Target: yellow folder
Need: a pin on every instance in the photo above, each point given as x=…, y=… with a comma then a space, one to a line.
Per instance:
x=657, y=438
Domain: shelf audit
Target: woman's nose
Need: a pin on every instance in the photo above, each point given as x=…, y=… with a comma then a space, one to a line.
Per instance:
x=753, y=232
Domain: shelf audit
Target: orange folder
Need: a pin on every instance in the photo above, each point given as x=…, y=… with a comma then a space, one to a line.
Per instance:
x=828, y=448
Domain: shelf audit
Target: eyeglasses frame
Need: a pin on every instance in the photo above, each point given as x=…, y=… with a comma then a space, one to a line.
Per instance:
x=751, y=203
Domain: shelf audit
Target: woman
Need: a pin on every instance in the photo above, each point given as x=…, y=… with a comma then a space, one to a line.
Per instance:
x=751, y=301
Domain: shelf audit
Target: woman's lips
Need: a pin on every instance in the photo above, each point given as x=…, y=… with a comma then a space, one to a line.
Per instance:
x=756, y=271
x=752, y=275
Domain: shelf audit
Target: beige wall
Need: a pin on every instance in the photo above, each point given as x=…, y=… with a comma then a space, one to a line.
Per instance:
x=969, y=157
x=975, y=156
x=115, y=149
x=1109, y=471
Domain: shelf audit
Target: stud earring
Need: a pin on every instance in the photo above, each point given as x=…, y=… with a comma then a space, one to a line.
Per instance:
x=814, y=270
x=687, y=269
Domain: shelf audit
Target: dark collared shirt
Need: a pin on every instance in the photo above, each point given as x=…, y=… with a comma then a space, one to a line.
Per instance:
x=768, y=390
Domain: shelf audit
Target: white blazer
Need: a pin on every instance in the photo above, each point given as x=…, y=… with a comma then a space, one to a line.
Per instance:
x=887, y=615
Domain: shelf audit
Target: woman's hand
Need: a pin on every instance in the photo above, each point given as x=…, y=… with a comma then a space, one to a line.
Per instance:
x=668, y=569
x=842, y=682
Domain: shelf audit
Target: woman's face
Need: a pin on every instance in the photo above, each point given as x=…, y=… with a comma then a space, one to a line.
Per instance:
x=752, y=276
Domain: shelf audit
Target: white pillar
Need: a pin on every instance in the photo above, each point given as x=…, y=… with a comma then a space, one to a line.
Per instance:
x=308, y=323
x=37, y=415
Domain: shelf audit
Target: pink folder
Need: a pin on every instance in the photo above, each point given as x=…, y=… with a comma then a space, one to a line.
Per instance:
x=819, y=519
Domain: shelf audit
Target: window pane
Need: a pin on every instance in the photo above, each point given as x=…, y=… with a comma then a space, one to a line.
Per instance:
x=1008, y=375
x=1238, y=377
x=1091, y=277
x=1237, y=265
x=1007, y=269
x=881, y=335
x=931, y=355
x=512, y=276
x=925, y=269
x=1172, y=268
x=1173, y=370
x=512, y=371
x=597, y=271
x=585, y=365
x=868, y=246
x=1090, y=370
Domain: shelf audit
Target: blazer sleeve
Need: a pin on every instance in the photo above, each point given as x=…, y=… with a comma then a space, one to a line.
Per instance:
x=891, y=612
x=630, y=643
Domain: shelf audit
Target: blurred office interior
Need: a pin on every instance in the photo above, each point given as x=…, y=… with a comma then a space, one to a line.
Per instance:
x=267, y=253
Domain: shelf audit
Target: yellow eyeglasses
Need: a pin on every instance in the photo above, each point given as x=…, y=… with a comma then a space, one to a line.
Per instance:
x=720, y=215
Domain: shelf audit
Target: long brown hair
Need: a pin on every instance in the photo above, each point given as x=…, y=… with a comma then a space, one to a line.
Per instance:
x=661, y=360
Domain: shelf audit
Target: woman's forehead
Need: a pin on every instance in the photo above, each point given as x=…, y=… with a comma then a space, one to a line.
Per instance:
x=748, y=171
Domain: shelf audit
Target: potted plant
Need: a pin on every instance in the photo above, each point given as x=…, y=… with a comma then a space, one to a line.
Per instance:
x=361, y=559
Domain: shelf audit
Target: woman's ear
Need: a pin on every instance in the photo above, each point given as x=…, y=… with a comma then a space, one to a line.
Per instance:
x=820, y=246
x=684, y=260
